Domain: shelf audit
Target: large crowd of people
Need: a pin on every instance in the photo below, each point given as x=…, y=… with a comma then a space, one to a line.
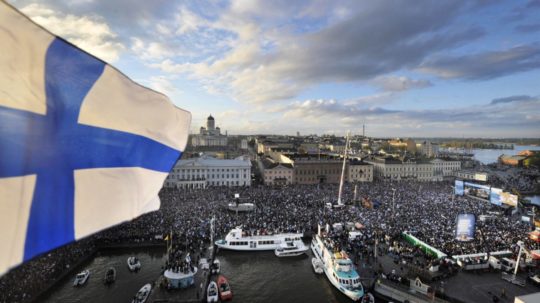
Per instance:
x=426, y=210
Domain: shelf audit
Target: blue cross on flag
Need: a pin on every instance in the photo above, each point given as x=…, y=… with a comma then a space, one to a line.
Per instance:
x=82, y=147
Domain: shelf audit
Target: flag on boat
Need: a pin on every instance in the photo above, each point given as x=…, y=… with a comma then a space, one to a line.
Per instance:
x=82, y=147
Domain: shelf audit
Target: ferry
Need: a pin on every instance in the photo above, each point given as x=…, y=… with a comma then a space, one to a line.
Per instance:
x=237, y=239
x=337, y=266
x=291, y=249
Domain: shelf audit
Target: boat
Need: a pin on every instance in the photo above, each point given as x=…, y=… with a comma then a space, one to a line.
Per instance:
x=241, y=207
x=133, y=263
x=317, y=265
x=291, y=249
x=142, y=294
x=337, y=266
x=110, y=275
x=212, y=292
x=224, y=289
x=81, y=278
x=215, y=267
x=240, y=240
x=368, y=298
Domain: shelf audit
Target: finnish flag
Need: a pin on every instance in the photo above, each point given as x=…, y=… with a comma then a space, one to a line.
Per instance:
x=82, y=147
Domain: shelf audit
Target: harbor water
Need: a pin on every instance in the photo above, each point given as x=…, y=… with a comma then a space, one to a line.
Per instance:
x=487, y=156
x=254, y=277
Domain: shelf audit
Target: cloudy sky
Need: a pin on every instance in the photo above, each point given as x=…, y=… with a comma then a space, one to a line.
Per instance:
x=404, y=68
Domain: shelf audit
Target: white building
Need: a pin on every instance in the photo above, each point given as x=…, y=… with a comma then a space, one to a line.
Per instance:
x=429, y=149
x=445, y=168
x=209, y=136
x=207, y=171
x=360, y=172
x=276, y=173
x=396, y=169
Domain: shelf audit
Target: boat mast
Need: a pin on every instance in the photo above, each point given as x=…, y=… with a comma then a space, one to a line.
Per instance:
x=343, y=170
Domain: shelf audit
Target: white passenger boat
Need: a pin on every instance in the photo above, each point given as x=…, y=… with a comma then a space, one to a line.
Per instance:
x=212, y=292
x=317, y=265
x=237, y=239
x=142, y=294
x=291, y=249
x=81, y=278
x=133, y=263
x=337, y=266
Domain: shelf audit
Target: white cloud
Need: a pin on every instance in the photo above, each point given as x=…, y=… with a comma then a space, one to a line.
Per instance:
x=90, y=33
x=150, y=51
x=163, y=85
x=396, y=84
x=188, y=21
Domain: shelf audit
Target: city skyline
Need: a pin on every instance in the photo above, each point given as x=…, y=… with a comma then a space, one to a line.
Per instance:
x=435, y=69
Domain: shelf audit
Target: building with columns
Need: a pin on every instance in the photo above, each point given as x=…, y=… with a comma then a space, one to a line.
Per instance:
x=198, y=173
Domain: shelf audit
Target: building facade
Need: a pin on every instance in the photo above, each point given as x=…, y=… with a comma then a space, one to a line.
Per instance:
x=409, y=169
x=198, y=173
x=445, y=168
x=277, y=173
x=314, y=171
x=429, y=149
x=359, y=172
x=209, y=136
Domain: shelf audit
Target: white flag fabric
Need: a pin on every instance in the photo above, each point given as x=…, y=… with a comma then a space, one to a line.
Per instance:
x=82, y=147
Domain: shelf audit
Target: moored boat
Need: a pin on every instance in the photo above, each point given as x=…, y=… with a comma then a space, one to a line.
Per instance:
x=133, y=263
x=317, y=266
x=110, y=275
x=290, y=249
x=337, y=266
x=224, y=289
x=237, y=239
x=368, y=298
x=215, y=267
x=212, y=292
x=81, y=278
x=142, y=294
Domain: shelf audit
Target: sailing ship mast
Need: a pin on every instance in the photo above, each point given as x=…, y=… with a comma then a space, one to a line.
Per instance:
x=339, y=203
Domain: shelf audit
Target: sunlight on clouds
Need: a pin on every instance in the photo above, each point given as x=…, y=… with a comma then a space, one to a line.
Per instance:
x=90, y=33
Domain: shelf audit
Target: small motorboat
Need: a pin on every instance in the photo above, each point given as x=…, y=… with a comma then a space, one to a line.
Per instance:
x=142, y=294
x=368, y=298
x=216, y=267
x=290, y=249
x=212, y=292
x=110, y=276
x=133, y=263
x=203, y=264
x=317, y=265
x=81, y=278
x=225, y=292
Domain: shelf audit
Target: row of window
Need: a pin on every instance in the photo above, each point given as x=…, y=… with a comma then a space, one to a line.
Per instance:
x=188, y=170
x=239, y=243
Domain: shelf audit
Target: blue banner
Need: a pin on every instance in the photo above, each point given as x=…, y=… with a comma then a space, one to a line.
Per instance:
x=458, y=189
x=465, y=227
